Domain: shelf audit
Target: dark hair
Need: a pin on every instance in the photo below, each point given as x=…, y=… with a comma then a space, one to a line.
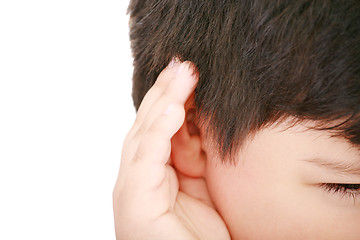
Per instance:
x=259, y=61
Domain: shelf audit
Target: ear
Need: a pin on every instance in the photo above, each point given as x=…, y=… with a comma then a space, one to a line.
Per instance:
x=187, y=154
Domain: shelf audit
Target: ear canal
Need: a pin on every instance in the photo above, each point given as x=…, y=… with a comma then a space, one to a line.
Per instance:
x=190, y=123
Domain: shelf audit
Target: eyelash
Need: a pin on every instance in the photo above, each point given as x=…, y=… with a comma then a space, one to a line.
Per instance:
x=344, y=190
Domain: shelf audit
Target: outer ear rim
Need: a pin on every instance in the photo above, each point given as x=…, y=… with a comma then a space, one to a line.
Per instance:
x=187, y=153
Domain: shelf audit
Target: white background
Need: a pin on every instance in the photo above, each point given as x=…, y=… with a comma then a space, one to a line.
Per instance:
x=65, y=107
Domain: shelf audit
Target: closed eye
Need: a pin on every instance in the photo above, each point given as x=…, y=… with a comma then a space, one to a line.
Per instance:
x=344, y=190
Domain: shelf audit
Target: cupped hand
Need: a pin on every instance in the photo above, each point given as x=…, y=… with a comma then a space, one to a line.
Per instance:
x=146, y=198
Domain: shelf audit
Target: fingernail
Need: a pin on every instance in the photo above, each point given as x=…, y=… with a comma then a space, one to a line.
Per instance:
x=175, y=62
x=185, y=69
x=181, y=68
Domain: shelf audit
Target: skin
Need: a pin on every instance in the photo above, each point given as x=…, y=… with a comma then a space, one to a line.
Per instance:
x=274, y=193
x=149, y=198
x=172, y=184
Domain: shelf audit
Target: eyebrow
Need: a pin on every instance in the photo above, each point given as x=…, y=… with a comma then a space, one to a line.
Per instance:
x=348, y=168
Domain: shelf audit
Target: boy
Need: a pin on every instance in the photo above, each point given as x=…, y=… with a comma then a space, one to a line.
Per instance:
x=253, y=129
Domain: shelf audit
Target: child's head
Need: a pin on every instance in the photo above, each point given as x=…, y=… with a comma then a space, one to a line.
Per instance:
x=279, y=95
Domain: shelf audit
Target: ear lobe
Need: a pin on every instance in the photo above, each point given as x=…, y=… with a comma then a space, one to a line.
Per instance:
x=187, y=154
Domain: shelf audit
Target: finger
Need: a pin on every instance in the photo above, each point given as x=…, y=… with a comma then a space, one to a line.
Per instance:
x=177, y=91
x=166, y=76
x=155, y=147
x=156, y=90
x=184, y=84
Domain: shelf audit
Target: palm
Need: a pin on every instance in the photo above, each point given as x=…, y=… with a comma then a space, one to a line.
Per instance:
x=151, y=200
x=191, y=213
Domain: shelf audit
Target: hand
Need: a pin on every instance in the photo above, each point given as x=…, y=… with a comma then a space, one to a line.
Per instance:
x=147, y=201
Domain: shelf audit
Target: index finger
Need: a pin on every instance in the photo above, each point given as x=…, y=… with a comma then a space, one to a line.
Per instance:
x=174, y=84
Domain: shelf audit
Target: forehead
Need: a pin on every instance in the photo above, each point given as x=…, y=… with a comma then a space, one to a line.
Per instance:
x=304, y=136
x=324, y=129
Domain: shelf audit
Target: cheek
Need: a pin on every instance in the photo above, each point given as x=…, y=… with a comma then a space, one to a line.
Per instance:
x=253, y=201
x=259, y=204
x=237, y=195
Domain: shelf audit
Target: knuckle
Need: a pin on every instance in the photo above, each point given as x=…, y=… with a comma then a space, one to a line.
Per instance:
x=156, y=127
x=139, y=155
x=165, y=97
x=141, y=130
x=158, y=87
x=146, y=145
